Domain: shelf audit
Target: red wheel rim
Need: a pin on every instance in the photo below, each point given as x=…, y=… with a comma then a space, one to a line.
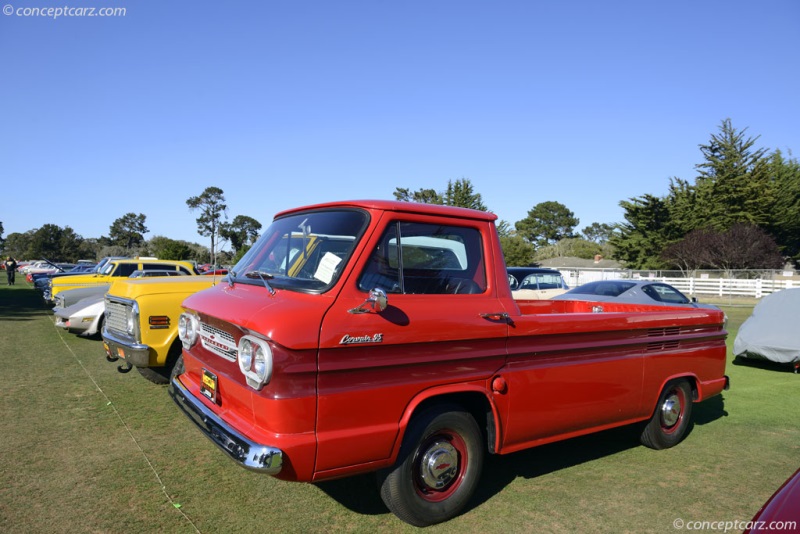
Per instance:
x=673, y=409
x=440, y=465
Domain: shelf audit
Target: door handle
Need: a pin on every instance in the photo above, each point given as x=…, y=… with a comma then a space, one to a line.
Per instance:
x=496, y=316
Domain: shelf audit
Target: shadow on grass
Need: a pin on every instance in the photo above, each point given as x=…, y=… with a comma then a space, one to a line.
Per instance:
x=20, y=302
x=709, y=410
x=767, y=365
x=360, y=494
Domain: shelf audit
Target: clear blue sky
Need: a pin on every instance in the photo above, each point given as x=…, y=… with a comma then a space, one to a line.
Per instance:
x=287, y=103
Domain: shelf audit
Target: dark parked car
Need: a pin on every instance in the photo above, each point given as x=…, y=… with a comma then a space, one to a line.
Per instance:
x=648, y=292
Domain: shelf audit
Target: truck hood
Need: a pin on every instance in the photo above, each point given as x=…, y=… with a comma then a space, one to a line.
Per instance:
x=132, y=288
x=289, y=318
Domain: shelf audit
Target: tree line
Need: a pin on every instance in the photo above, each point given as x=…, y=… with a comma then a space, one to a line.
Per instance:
x=126, y=237
x=741, y=211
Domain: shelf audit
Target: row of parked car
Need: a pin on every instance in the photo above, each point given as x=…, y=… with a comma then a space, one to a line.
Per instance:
x=533, y=283
x=101, y=302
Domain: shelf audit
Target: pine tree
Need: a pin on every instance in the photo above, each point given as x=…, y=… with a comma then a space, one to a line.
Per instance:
x=733, y=182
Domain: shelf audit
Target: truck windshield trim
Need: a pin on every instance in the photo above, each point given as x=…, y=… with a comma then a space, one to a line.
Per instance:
x=304, y=251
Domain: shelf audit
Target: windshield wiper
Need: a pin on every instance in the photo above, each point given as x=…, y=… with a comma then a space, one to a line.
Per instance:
x=264, y=277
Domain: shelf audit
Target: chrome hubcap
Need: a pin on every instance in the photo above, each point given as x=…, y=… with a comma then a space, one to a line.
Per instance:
x=671, y=409
x=439, y=465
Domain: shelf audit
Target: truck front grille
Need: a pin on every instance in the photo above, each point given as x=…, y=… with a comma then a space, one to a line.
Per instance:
x=117, y=316
x=218, y=341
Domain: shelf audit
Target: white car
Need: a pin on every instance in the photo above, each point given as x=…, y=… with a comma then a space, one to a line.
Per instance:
x=535, y=283
x=40, y=264
x=84, y=318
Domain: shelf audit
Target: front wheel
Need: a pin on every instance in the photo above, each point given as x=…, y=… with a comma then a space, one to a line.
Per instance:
x=672, y=417
x=162, y=375
x=178, y=369
x=438, y=468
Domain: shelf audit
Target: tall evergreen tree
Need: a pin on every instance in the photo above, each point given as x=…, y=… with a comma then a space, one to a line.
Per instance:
x=128, y=231
x=598, y=232
x=685, y=212
x=424, y=196
x=733, y=183
x=242, y=231
x=639, y=241
x=785, y=223
x=211, y=204
x=547, y=223
x=461, y=193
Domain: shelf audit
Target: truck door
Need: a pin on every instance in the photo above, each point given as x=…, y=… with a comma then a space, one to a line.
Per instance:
x=431, y=333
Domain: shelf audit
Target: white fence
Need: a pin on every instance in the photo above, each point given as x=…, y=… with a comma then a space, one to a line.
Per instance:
x=718, y=287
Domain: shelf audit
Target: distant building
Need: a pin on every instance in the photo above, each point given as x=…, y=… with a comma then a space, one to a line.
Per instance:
x=570, y=262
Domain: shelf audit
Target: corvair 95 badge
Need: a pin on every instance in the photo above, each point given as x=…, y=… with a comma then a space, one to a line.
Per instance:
x=352, y=340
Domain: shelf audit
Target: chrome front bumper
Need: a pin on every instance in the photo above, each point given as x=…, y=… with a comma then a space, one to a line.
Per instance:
x=133, y=353
x=245, y=452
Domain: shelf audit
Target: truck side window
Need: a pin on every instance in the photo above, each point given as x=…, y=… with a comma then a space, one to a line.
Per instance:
x=415, y=258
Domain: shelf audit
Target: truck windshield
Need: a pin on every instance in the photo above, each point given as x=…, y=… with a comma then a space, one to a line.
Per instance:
x=304, y=251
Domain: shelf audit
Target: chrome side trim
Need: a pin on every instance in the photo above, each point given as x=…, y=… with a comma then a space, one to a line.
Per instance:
x=245, y=452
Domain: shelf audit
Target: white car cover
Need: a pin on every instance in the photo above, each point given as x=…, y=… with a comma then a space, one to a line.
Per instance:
x=772, y=331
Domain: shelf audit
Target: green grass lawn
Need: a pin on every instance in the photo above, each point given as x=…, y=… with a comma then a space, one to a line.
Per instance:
x=87, y=449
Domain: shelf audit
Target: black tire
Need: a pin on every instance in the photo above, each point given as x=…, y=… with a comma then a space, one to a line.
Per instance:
x=100, y=325
x=162, y=375
x=671, y=418
x=438, y=468
x=156, y=375
x=178, y=368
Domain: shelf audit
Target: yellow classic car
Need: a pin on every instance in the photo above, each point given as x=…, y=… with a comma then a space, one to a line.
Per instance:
x=141, y=322
x=114, y=270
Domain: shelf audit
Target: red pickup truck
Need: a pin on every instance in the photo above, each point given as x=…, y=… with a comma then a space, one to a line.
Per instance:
x=383, y=336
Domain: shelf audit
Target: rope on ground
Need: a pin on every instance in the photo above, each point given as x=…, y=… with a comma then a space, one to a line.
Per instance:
x=130, y=433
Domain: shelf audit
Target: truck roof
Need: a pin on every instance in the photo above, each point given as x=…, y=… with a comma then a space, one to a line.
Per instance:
x=396, y=205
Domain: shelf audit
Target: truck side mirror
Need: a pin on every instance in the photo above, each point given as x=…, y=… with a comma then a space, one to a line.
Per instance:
x=375, y=303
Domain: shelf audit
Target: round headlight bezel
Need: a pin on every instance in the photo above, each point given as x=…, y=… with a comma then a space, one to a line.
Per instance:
x=188, y=329
x=254, y=357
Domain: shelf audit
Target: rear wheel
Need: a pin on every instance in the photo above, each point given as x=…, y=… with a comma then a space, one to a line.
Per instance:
x=438, y=468
x=671, y=418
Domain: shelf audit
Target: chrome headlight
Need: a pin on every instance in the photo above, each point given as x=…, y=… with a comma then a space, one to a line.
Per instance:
x=245, y=355
x=255, y=361
x=132, y=320
x=188, y=329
